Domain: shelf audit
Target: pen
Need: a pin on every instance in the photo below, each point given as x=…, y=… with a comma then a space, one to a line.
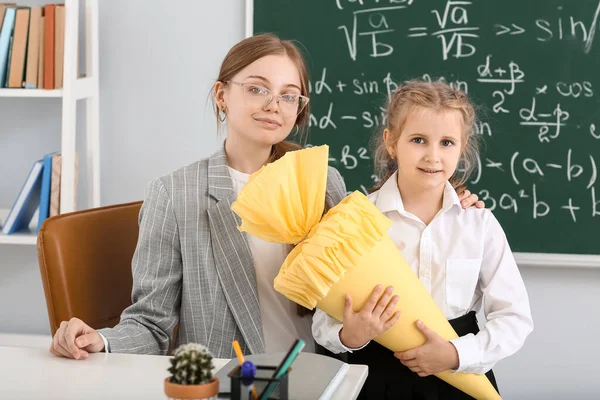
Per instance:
x=240, y=357
x=283, y=367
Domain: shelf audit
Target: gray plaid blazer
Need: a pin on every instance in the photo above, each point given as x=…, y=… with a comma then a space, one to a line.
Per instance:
x=192, y=266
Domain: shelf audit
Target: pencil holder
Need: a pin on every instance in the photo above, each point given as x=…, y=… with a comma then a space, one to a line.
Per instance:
x=241, y=387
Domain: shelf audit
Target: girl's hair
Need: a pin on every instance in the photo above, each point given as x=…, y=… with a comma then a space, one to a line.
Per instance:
x=253, y=48
x=438, y=96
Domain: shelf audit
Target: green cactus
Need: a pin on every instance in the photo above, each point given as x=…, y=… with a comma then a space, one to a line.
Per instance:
x=191, y=364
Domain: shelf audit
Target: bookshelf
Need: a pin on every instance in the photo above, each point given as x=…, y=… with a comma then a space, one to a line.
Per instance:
x=30, y=93
x=74, y=88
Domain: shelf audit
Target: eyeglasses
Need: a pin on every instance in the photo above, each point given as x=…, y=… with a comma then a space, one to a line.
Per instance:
x=290, y=104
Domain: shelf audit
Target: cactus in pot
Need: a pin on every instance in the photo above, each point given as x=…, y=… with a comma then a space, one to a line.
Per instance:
x=191, y=373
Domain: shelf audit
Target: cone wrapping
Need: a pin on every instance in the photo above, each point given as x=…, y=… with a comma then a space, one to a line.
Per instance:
x=348, y=251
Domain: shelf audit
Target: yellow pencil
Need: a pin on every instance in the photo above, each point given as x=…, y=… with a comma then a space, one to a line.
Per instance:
x=240, y=357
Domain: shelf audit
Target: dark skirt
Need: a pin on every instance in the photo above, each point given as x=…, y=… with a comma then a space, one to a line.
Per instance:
x=389, y=379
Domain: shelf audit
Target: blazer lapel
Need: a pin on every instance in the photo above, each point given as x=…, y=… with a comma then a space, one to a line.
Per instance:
x=233, y=259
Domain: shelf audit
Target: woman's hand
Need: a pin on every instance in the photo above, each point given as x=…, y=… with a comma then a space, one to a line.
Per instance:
x=75, y=339
x=376, y=317
x=468, y=199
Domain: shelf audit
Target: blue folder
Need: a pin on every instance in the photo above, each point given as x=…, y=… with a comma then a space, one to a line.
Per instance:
x=45, y=194
x=27, y=202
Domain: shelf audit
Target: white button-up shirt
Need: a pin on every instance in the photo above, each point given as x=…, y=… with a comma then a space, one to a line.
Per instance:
x=463, y=259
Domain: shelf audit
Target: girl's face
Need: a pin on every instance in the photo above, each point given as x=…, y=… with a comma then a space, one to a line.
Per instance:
x=262, y=101
x=428, y=148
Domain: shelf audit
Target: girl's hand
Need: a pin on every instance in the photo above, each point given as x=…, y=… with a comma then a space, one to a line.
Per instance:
x=376, y=317
x=436, y=355
x=468, y=199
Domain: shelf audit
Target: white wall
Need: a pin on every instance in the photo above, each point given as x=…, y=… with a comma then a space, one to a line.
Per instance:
x=560, y=358
x=157, y=64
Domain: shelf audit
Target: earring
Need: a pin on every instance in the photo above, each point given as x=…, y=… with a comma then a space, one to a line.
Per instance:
x=297, y=129
x=222, y=114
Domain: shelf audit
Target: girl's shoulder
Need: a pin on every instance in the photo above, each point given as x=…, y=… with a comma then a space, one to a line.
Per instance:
x=474, y=216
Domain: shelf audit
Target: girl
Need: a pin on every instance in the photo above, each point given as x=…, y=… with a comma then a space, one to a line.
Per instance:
x=192, y=268
x=461, y=256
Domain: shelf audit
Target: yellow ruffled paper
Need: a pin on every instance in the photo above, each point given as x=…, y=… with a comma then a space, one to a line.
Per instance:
x=283, y=200
x=347, y=252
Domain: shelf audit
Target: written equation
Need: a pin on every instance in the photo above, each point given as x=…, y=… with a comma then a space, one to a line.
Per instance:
x=371, y=31
x=538, y=108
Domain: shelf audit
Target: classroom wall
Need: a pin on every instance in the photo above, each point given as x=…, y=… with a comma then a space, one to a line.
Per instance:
x=156, y=70
x=157, y=65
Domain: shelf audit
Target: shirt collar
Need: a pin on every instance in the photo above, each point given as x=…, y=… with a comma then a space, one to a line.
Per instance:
x=450, y=198
x=389, y=198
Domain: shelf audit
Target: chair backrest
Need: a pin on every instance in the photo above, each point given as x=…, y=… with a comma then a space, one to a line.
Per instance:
x=85, y=263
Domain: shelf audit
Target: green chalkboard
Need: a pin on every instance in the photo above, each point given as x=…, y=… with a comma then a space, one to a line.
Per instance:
x=531, y=67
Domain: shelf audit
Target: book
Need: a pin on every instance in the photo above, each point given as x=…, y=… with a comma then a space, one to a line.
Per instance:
x=45, y=193
x=33, y=49
x=2, y=12
x=323, y=373
x=55, y=185
x=19, y=50
x=59, y=45
x=5, y=40
x=27, y=202
x=10, y=47
x=40, y=79
x=49, y=12
x=3, y=7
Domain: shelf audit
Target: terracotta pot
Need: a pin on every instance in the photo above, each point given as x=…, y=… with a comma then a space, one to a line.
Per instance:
x=204, y=391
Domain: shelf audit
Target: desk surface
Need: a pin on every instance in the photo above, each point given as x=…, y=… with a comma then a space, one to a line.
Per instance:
x=34, y=373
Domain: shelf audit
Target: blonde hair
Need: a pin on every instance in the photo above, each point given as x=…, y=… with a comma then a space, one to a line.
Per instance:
x=256, y=47
x=437, y=96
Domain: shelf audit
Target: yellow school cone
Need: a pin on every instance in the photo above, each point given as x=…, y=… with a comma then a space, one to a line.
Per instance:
x=347, y=252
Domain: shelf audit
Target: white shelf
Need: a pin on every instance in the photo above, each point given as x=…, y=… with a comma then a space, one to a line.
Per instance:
x=83, y=88
x=19, y=238
x=31, y=93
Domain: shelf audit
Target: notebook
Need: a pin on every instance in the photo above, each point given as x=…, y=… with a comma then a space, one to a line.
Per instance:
x=46, y=186
x=324, y=374
x=27, y=202
x=5, y=40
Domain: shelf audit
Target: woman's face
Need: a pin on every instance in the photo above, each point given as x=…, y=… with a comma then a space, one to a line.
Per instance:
x=255, y=113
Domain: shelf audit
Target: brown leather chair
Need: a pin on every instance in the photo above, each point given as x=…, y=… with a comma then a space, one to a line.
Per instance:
x=85, y=262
